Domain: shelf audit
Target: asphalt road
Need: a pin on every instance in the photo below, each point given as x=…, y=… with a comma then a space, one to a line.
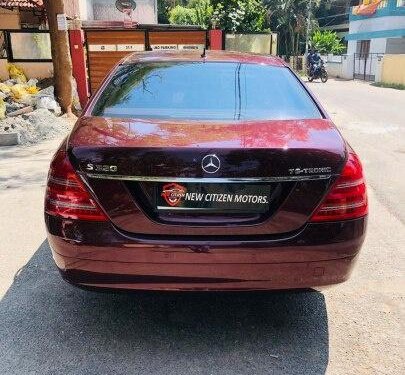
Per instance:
x=50, y=327
x=366, y=315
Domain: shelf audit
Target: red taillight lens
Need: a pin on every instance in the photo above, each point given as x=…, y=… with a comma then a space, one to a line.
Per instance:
x=66, y=195
x=348, y=197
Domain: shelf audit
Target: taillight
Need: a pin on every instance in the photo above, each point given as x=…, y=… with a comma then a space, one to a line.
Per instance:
x=347, y=198
x=66, y=195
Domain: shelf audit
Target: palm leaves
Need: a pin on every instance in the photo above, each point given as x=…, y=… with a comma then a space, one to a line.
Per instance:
x=289, y=18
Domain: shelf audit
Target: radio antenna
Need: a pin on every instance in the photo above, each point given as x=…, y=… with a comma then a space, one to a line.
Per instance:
x=204, y=55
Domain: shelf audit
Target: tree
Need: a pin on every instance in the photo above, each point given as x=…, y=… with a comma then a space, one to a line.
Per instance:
x=203, y=12
x=163, y=10
x=334, y=12
x=240, y=16
x=289, y=18
x=62, y=63
x=197, y=12
x=180, y=15
x=327, y=42
x=229, y=15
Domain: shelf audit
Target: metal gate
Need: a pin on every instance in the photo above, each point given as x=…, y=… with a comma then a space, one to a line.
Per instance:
x=106, y=46
x=365, y=65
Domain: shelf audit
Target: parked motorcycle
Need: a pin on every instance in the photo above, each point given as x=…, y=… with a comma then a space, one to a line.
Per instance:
x=318, y=71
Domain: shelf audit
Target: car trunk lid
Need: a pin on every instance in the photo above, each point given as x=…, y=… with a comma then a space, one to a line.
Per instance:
x=149, y=176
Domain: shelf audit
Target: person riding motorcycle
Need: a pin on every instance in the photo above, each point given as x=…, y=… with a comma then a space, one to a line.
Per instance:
x=313, y=60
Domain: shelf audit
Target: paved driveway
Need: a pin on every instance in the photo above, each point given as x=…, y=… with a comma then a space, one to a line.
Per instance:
x=49, y=327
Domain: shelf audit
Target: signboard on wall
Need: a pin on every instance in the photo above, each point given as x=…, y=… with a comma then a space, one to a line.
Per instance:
x=191, y=47
x=62, y=22
x=141, y=47
x=130, y=47
x=163, y=47
x=116, y=47
x=175, y=47
x=102, y=47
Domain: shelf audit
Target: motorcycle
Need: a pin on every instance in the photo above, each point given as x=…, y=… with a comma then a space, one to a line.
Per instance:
x=318, y=71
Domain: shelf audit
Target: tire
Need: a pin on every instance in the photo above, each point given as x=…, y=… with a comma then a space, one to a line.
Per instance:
x=324, y=76
x=310, y=78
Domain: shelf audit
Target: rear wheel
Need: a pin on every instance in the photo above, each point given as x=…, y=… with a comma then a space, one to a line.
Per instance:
x=310, y=78
x=324, y=76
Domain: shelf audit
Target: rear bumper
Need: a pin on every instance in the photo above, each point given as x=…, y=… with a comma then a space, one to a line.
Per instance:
x=193, y=277
x=98, y=255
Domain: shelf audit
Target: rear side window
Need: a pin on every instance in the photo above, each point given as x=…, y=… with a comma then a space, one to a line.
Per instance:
x=220, y=91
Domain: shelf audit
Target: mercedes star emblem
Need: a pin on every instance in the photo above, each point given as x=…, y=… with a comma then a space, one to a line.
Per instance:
x=211, y=163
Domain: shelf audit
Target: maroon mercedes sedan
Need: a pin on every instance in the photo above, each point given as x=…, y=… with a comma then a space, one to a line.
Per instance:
x=205, y=172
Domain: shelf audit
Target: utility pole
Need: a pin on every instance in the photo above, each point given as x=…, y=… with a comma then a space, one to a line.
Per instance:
x=308, y=27
x=62, y=63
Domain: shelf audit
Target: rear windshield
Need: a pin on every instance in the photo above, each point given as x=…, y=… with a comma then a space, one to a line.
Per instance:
x=220, y=91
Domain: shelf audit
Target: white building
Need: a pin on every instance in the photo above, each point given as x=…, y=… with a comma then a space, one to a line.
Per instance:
x=380, y=32
x=106, y=10
x=377, y=30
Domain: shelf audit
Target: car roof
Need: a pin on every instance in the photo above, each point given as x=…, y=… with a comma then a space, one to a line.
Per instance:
x=197, y=56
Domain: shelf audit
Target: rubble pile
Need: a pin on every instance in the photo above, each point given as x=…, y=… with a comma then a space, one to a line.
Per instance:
x=30, y=111
x=37, y=125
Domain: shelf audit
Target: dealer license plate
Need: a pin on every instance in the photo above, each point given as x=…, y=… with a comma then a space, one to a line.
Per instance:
x=244, y=198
